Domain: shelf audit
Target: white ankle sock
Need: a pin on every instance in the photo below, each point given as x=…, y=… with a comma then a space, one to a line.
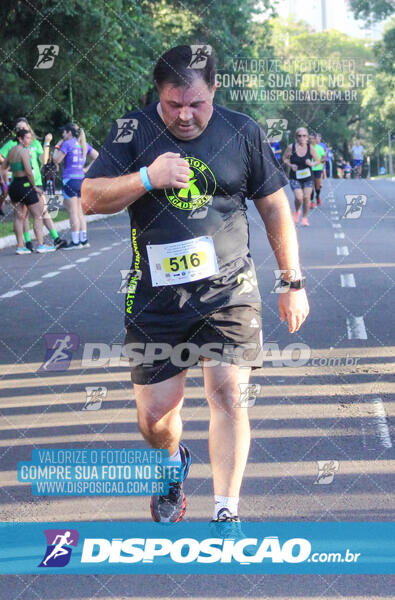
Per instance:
x=230, y=503
x=176, y=457
x=75, y=237
x=83, y=236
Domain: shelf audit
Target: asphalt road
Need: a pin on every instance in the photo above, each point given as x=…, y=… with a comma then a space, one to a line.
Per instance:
x=337, y=407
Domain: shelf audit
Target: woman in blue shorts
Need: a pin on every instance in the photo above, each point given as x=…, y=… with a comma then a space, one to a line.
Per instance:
x=298, y=156
x=74, y=150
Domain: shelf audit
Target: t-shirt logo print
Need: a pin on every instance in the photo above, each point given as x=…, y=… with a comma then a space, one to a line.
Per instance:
x=200, y=190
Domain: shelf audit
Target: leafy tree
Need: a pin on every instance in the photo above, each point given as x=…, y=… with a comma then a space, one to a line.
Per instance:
x=372, y=10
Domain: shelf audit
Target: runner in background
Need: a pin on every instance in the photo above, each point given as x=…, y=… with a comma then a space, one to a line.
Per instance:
x=357, y=152
x=24, y=193
x=340, y=164
x=325, y=147
x=347, y=170
x=317, y=168
x=329, y=162
x=276, y=147
x=299, y=156
x=38, y=156
x=73, y=149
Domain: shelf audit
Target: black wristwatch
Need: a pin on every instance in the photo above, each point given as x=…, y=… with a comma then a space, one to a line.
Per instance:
x=298, y=284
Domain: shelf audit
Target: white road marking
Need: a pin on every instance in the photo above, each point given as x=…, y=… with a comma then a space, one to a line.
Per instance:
x=381, y=422
x=116, y=244
x=65, y=267
x=335, y=218
x=106, y=248
x=94, y=254
x=11, y=294
x=51, y=274
x=347, y=280
x=356, y=328
x=342, y=251
x=336, y=225
x=334, y=212
x=81, y=260
x=31, y=284
x=339, y=236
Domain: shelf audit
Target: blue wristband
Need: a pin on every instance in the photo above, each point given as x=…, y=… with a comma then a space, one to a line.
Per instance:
x=145, y=179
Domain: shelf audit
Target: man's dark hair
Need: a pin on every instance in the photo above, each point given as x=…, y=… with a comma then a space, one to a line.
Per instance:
x=176, y=66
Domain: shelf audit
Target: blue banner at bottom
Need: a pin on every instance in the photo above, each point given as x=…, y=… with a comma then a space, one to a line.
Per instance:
x=195, y=547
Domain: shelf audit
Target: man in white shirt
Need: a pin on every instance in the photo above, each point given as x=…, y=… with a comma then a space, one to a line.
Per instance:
x=357, y=153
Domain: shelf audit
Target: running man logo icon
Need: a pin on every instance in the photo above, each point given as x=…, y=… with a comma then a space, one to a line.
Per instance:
x=354, y=205
x=94, y=397
x=247, y=281
x=279, y=287
x=46, y=56
x=129, y=279
x=275, y=129
x=60, y=347
x=126, y=129
x=56, y=554
x=54, y=204
x=326, y=471
x=199, y=57
x=248, y=394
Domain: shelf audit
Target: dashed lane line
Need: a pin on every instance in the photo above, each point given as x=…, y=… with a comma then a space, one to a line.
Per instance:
x=31, y=284
x=356, y=329
x=347, y=280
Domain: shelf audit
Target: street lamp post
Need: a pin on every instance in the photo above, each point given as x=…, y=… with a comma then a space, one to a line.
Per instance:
x=391, y=170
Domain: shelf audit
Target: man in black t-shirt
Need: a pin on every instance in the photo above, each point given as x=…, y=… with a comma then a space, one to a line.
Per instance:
x=184, y=167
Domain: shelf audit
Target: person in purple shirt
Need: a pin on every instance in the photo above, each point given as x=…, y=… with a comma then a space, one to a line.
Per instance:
x=74, y=150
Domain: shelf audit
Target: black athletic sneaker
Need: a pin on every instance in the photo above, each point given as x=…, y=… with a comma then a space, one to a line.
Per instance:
x=171, y=508
x=85, y=244
x=72, y=246
x=29, y=246
x=228, y=527
x=59, y=243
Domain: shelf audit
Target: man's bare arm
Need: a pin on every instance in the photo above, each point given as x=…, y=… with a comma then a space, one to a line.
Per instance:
x=108, y=195
x=280, y=229
x=275, y=212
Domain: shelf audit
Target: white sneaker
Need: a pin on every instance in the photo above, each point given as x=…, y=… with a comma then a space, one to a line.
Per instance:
x=23, y=250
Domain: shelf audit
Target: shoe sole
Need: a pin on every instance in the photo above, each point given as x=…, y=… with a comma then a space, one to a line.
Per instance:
x=75, y=248
x=182, y=513
x=45, y=251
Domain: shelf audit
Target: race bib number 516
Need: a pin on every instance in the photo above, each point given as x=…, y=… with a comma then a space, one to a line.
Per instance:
x=182, y=262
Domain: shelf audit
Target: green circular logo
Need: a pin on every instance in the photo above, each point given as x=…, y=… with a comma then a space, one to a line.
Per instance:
x=200, y=190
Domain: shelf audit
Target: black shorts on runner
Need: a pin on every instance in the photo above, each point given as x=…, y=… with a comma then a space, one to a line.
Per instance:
x=317, y=174
x=232, y=334
x=21, y=190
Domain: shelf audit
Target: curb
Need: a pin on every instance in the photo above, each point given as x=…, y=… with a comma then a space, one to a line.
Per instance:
x=9, y=240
